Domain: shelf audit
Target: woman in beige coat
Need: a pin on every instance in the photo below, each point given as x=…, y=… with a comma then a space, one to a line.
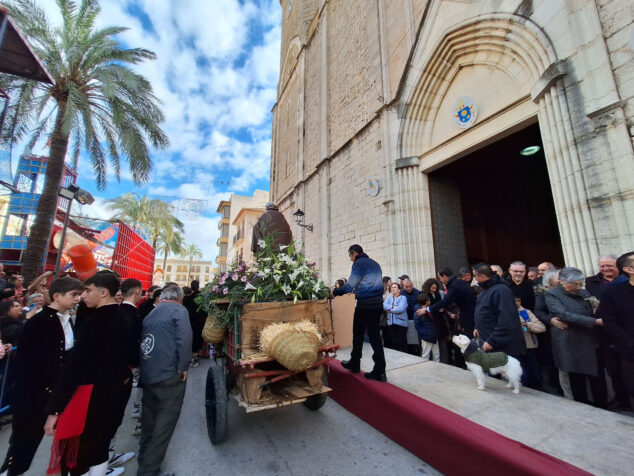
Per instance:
x=531, y=372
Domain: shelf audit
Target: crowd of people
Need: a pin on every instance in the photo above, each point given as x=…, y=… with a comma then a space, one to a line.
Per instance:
x=72, y=352
x=571, y=333
x=72, y=355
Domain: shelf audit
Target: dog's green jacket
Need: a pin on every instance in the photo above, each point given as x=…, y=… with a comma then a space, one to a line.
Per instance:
x=486, y=360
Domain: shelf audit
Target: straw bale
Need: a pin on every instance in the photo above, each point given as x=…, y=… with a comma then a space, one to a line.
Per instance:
x=294, y=345
x=256, y=316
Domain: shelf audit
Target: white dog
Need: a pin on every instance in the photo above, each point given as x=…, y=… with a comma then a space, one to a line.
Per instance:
x=480, y=362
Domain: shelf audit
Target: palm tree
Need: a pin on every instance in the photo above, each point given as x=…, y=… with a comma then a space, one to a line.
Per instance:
x=97, y=104
x=156, y=215
x=170, y=241
x=192, y=252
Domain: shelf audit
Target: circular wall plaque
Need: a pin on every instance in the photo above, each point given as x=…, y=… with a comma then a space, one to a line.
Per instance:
x=465, y=112
x=372, y=187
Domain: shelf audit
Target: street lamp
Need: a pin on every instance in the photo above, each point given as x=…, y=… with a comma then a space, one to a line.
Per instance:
x=70, y=193
x=299, y=216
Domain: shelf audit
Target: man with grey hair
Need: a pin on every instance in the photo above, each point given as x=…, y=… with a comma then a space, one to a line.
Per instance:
x=521, y=286
x=596, y=285
x=608, y=274
x=617, y=311
x=166, y=342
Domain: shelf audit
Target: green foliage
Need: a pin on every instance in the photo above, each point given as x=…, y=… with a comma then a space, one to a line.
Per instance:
x=156, y=215
x=97, y=101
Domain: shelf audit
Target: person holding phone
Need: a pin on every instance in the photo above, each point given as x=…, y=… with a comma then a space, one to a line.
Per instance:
x=34, y=304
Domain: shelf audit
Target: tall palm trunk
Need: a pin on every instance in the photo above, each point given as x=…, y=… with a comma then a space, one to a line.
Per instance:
x=165, y=264
x=189, y=269
x=39, y=234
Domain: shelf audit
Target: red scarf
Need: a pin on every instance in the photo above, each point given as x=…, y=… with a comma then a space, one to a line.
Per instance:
x=70, y=426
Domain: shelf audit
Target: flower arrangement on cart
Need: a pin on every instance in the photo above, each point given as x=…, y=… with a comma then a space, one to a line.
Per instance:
x=272, y=332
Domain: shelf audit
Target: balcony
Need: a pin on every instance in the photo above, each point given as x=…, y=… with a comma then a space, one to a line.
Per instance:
x=221, y=240
x=221, y=259
x=222, y=222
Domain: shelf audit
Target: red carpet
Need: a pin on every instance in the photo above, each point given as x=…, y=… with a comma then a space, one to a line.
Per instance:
x=445, y=440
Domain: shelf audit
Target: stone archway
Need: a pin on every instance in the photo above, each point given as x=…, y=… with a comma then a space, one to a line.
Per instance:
x=517, y=48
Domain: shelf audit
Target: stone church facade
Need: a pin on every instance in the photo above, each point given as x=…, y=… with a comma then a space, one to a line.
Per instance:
x=367, y=125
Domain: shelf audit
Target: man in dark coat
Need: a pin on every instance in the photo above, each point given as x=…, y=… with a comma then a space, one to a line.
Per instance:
x=521, y=286
x=41, y=357
x=411, y=294
x=197, y=319
x=460, y=293
x=271, y=224
x=617, y=311
x=99, y=358
x=496, y=319
x=131, y=289
x=607, y=276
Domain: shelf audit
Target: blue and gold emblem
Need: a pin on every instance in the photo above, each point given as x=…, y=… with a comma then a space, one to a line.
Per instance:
x=465, y=112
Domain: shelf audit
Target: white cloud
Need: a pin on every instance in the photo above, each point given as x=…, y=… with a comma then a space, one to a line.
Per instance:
x=216, y=86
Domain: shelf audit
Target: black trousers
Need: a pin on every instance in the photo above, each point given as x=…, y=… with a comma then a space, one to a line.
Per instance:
x=398, y=337
x=368, y=318
x=531, y=372
x=162, y=403
x=597, y=385
x=27, y=430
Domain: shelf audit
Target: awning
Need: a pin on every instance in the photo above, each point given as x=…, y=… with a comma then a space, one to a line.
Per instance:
x=16, y=55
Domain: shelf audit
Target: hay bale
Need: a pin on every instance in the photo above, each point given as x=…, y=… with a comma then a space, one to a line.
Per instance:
x=294, y=345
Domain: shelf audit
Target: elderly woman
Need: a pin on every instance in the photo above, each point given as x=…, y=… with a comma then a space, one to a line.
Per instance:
x=34, y=304
x=574, y=338
x=557, y=377
x=395, y=305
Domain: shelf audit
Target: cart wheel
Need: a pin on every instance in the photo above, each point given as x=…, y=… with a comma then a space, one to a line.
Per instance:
x=315, y=402
x=216, y=401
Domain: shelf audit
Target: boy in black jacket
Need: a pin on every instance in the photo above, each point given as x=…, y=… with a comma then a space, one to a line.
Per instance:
x=41, y=356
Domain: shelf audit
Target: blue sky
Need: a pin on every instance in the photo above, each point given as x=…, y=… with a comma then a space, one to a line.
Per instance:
x=216, y=75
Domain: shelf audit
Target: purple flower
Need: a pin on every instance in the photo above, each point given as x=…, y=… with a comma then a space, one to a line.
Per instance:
x=225, y=290
x=215, y=289
x=313, y=264
x=221, y=281
x=234, y=276
x=243, y=279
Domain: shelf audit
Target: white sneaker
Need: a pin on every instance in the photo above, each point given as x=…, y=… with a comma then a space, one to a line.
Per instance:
x=137, y=430
x=120, y=458
x=115, y=471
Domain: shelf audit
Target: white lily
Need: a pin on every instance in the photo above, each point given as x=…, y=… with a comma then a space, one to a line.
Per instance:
x=261, y=243
x=250, y=287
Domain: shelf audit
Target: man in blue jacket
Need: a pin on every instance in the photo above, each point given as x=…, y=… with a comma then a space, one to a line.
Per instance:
x=366, y=281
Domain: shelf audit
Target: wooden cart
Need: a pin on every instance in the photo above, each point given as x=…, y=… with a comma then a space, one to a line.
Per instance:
x=240, y=372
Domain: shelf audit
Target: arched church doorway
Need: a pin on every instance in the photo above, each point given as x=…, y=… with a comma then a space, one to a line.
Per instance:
x=495, y=205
